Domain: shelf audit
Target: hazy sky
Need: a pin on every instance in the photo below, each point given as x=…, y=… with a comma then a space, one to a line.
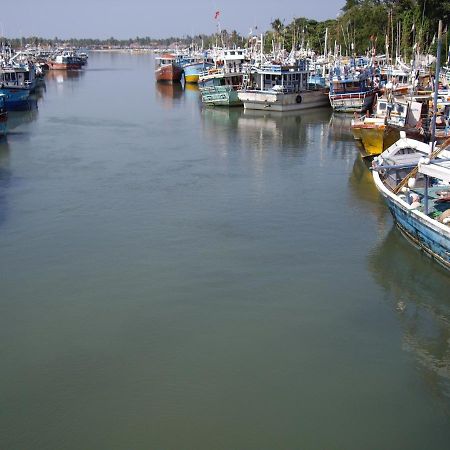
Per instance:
x=163, y=18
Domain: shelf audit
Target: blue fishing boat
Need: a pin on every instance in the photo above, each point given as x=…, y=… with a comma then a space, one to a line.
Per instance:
x=15, y=99
x=18, y=76
x=3, y=116
x=194, y=66
x=16, y=84
x=415, y=183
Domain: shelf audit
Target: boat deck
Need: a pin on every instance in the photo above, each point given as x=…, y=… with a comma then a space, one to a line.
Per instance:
x=436, y=197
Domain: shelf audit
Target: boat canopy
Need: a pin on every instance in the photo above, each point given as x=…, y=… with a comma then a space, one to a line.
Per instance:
x=436, y=169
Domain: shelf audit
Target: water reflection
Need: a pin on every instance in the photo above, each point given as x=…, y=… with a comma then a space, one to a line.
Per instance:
x=340, y=127
x=5, y=178
x=361, y=182
x=168, y=93
x=262, y=130
x=18, y=118
x=341, y=135
x=191, y=88
x=39, y=92
x=418, y=289
x=60, y=76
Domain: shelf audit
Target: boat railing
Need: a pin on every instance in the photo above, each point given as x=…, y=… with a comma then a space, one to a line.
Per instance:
x=213, y=89
x=213, y=71
x=358, y=95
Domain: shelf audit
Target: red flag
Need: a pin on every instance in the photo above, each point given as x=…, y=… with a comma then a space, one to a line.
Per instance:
x=216, y=16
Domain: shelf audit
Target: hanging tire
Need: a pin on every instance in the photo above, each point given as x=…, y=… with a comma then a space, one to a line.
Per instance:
x=298, y=99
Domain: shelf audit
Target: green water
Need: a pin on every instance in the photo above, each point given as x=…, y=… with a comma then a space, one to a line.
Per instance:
x=175, y=277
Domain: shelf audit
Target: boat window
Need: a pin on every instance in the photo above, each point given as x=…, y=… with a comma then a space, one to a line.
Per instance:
x=382, y=106
x=400, y=109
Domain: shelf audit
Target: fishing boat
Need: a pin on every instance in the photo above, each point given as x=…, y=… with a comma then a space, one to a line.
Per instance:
x=167, y=68
x=194, y=66
x=415, y=183
x=219, y=85
x=414, y=180
x=67, y=60
x=15, y=99
x=353, y=92
x=392, y=115
x=395, y=80
x=3, y=116
x=282, y=87
x=18, y=76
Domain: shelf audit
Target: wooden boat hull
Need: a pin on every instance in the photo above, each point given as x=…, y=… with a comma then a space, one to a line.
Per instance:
x=169, y=72
x=277, y=101
x=359, y=102
x=16, y=99
x=220, y=96
x=193, y=71
x=376, y=138
x=53, y=65
x=424, y=233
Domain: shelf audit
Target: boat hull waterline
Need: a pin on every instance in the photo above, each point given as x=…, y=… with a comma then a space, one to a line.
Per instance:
x=274, y=101
x=424, y=233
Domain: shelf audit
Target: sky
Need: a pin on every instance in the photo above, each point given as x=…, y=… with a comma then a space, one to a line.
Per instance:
x=130, y=18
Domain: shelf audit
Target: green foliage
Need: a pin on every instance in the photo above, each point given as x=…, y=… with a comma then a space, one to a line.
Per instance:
x=366, y=23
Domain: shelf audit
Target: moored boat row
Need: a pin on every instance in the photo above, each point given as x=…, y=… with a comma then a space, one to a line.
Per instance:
x=413, y=178
x=22, y=72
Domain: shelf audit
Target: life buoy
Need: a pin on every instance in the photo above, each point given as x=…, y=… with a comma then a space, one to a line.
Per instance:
x=298, y=99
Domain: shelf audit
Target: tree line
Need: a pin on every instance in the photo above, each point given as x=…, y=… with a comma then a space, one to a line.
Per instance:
x=388, y=26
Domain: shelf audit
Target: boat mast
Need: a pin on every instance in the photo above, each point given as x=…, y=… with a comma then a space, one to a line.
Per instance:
x=436, y=86
x=433, y=123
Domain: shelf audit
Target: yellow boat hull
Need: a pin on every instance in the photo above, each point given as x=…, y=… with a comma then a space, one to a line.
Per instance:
x=357, y=133
x=191, y=79
x=375, y=138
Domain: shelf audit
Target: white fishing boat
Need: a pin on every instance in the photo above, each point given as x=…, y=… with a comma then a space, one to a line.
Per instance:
x=219, y=85
x=415, y=183
x=280, y=87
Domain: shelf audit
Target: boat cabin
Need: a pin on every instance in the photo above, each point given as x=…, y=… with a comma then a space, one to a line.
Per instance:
x=399, y=112
x=18, y=77
x=165, y=60
x=232, y=60
x=218, y=78
x=287, y=79
x=350, y=86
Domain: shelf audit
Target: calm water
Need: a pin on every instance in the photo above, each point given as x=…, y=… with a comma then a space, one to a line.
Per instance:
x=179, y=278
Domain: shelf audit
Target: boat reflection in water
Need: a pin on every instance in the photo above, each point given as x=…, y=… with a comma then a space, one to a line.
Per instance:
x=168, y=93
x=18, y=118
x=419, y=291
x=341, y=135
x=191, y=88
x=5, y=178
x=60, y=76
x=262, y=131
x=361, y=182
x=192, y=98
